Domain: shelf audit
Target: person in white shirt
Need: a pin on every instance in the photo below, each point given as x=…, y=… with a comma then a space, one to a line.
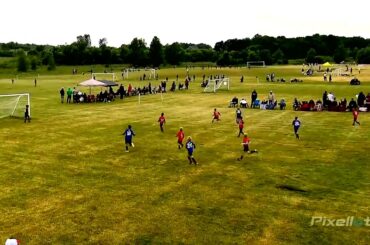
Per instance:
x=331, y=97
x=243, y=103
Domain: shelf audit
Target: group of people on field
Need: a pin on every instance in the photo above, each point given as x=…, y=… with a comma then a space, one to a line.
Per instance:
x=328, y=102
x=109, y=95
x=189, y=144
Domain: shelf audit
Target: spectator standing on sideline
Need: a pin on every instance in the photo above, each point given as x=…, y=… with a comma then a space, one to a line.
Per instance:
x=254, y=98
x=62, y=92
x=69, y=95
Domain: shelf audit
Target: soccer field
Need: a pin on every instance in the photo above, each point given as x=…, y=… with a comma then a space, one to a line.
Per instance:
x=65, y=177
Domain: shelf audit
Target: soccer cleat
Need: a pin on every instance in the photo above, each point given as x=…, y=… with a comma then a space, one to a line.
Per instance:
x=127, y=151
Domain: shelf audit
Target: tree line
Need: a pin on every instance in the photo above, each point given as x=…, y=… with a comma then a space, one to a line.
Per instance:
x=273, y=50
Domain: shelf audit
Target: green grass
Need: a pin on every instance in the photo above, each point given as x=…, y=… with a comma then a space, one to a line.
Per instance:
x=65, y=178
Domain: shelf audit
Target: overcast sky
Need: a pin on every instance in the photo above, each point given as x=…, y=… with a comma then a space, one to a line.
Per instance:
x=59, y=22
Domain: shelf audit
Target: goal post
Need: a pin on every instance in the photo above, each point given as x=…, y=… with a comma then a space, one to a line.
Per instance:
x=14, y=105
x=216, y=84
x=94, y=76
x=258, y=63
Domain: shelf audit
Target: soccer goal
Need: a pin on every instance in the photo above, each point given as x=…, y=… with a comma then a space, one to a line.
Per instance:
x=216, y=84
x=251, y=64
x=152, y=73
x=104, y=76
x=14, y=105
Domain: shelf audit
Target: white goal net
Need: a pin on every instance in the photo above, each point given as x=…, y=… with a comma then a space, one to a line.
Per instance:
x=216, y=84
x=14, y=105
x=256, y=64
x=104, y=76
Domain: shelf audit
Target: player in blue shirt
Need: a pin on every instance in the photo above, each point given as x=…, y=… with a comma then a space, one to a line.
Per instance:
x=129, y=133
x=190, y=146
x=296, y=124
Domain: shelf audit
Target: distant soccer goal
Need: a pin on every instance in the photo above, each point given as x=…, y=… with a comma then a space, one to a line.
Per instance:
x=251, y=64
x=216, y=84
x=14, y=105
x=152, y=73
x=104, y=76
x=149, y=73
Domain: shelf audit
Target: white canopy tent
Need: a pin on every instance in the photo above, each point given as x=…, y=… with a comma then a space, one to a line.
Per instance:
x=92, y=83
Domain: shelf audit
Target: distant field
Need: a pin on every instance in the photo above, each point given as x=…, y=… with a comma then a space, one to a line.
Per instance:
x=66, y=179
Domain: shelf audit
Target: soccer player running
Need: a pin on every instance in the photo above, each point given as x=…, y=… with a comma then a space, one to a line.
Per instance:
x=180, y=137
x=190, y=146
x=296, y=124
x=162, y=121
x=129, y=133
x=238, y=115
x=216, y=115
x=27, y=117
x=241, y=126
x=245, y=143
x=355, y=116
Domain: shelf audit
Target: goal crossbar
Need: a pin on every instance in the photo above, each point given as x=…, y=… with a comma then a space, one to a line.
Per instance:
x=214, y=85
x=104, y=73
x=258, y=63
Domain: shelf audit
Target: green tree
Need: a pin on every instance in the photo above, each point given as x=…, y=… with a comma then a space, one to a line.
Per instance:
x=51, y=62
x=83, y=42
x=253, y=55
x=23, y=63
x=363, y=56
x=265, y=55
x=34, y=63
x=174, y=53
x=278, y=57
x=340, y=54
x=311, y=54
x=124, y=53
x=138, y=52
x=105, y=52
x=224, y=59
x=103, y=42
x=156, y=52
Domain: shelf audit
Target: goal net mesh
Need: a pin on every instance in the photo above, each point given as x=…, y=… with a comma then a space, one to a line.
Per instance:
x=13, y=105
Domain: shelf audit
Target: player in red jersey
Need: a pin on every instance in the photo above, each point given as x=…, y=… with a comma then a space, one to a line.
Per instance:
x=162, y=121
x=355, y=116
x=180, y=137
x=216, y=115
x=245, y=143
x=241, y=126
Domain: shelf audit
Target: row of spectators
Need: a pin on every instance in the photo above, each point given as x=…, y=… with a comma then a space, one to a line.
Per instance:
x=328, y=102
x=109, y=95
